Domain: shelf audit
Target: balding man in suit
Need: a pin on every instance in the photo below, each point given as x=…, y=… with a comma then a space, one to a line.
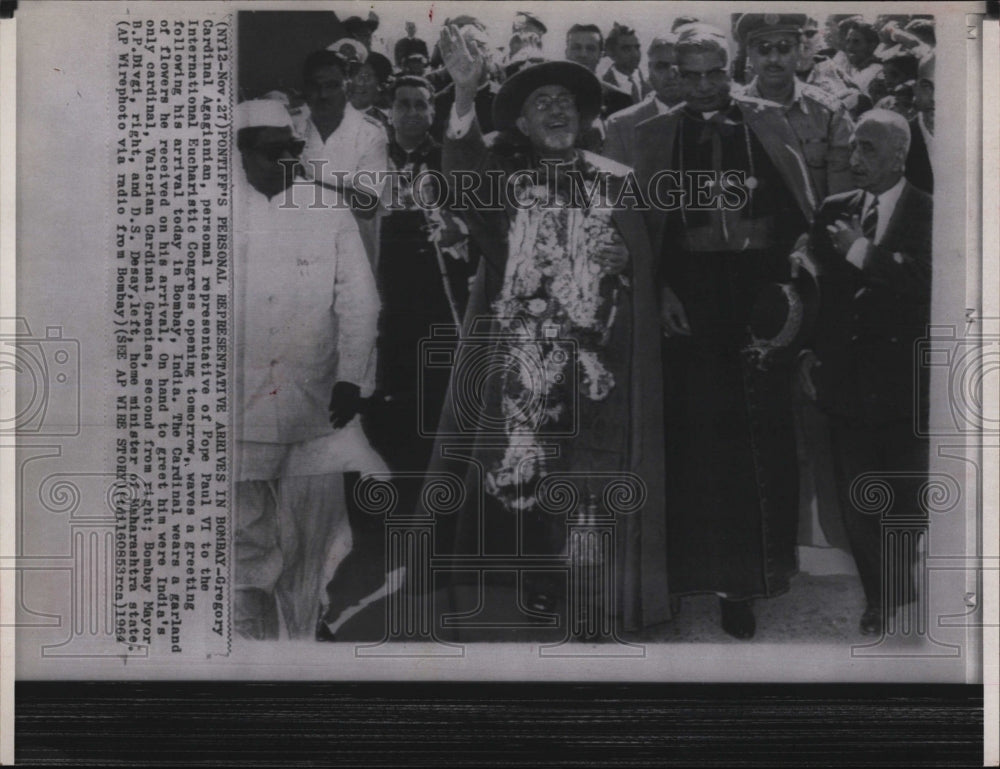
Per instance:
x=873, y=248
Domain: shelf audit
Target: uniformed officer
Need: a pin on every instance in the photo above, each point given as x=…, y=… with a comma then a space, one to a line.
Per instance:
x=819, y=120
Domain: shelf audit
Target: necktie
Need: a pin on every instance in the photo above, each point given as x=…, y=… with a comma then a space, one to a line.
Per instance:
x=636, y=92
x=869, y=224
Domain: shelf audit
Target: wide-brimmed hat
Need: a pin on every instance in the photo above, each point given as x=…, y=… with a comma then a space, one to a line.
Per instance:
x=576, y=78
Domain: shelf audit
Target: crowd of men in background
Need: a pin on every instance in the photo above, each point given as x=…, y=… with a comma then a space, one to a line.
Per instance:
x=855, y=101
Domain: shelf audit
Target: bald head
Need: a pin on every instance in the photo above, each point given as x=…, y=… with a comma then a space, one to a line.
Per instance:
x=878, y=150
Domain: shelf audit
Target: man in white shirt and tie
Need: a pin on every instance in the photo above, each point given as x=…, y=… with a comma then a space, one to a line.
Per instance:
x=872, y=247
x=622, y=46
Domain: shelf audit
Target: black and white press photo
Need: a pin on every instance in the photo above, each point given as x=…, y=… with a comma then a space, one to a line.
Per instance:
x=501, y=341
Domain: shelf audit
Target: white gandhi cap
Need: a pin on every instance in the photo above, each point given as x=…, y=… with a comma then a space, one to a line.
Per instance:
x=258, y=113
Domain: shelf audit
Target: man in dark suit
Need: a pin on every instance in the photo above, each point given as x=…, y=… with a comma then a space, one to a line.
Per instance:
x=872, y=246
x=409, y=45
x=584, y=45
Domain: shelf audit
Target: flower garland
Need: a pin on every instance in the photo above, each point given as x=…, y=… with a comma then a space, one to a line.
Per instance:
x=557, y=307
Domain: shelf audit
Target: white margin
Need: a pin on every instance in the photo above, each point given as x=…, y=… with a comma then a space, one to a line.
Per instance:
x=8, y=312
x=991, y=387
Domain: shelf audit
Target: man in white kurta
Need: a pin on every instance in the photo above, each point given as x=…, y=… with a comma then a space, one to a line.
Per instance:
x=340, y=141
x=307, y=318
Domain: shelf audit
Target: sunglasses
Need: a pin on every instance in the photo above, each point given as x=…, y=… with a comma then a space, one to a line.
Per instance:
x=810, y=33
x=783, y=47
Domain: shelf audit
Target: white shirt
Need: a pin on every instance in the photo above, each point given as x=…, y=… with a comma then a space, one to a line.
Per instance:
x=863, y=77
x=661, y=107
x=459, y=126
x=627, y=82
x=306, y=312
x=358, y=144
x=886, y=207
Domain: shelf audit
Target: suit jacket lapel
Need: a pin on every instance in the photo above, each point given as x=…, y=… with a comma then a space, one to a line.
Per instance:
x=654, y=144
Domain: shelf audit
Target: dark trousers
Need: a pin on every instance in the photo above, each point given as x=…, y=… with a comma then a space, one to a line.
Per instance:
x=880, y=472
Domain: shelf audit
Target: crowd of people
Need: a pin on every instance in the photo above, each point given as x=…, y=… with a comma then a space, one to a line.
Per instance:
x=761, y=229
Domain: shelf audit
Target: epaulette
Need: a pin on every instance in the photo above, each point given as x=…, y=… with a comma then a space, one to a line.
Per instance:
x=756, y=102
x=822, y=96
x=374, y=121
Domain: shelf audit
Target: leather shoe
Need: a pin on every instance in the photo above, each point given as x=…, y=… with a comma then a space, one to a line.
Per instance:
x=737, y=618
x=323, y=632
x=871, y=621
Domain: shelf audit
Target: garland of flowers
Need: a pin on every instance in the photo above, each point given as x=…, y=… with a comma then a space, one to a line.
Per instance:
x=557, y=299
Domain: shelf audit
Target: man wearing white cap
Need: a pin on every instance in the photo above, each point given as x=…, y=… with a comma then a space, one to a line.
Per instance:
x=307, y=311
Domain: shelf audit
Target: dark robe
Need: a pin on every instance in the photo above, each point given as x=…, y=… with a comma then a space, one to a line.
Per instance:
x=415, y=307
x=402, y=415
x=732, y=482
x=620, y=434
x=444, y=100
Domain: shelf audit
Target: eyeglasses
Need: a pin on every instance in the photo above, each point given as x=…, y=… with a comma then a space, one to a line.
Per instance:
x=714, y=76
x=544, y=103
x=783, y=46
x=810, y=33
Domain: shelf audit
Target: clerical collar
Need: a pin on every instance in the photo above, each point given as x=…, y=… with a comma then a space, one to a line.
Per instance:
x=730, y=111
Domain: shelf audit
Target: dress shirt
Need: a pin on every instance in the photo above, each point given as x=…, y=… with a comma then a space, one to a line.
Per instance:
x=631, y=84
x=358, y=144
x=459, y=126
x=886, y=206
